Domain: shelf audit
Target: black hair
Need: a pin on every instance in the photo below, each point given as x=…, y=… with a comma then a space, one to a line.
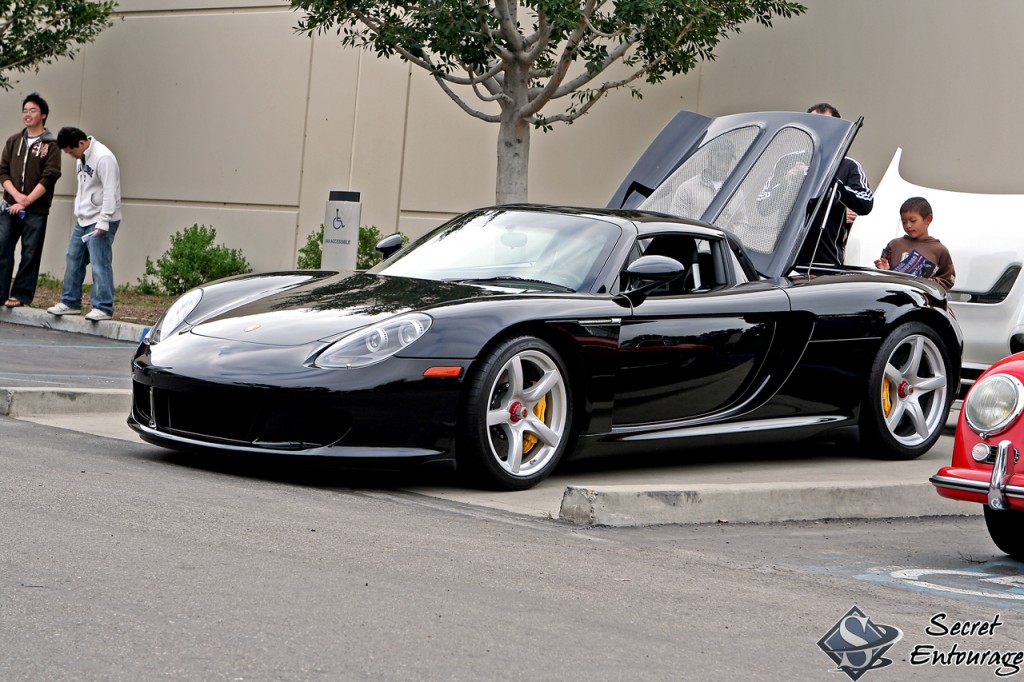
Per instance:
x=823, y=108
x=36, y=99
x=918, y=205
x=70, y=136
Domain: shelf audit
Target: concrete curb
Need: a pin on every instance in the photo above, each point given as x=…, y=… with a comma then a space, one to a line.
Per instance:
x=834, y=496
x=36, y=317
x=32, y=401
x=628, y=505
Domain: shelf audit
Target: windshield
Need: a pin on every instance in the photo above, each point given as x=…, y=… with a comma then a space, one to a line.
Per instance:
x=527, y=249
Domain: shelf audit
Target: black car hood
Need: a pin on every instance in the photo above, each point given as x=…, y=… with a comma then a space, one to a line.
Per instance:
x=765, y=147
x=327, y=308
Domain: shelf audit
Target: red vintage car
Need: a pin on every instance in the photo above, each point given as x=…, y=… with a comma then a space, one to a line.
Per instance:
x=986, y=465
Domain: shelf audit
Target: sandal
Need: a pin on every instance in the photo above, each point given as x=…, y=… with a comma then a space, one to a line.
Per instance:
x=13, y=303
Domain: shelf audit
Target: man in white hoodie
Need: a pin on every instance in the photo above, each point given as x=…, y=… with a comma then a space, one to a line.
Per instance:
x=97, y=217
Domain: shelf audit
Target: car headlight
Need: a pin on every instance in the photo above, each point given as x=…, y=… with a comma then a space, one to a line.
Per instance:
x=993, y=404
x=374, y=343
x=174, y=316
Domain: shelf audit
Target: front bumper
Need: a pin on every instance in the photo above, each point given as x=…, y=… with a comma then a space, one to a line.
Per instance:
x=246, y=399
x=1000, y=489
x=368, y=457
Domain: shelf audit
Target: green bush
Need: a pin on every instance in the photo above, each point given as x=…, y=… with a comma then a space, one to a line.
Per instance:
x=192, y=260
x=367, y=256
x=311, y=255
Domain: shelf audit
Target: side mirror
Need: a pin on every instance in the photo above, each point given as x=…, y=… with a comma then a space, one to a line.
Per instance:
x=650, y=272
x=656, y=269
x=389, y=245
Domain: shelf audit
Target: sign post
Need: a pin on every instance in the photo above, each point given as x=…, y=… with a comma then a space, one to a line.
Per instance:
x=341, y=231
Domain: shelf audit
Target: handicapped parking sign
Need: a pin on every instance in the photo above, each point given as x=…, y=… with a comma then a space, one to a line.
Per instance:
x=341, y=234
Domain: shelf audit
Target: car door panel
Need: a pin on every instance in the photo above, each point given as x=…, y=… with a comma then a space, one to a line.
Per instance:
x=686, y=356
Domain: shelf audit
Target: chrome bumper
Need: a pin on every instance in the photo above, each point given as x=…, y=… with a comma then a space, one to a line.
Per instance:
x=997, y=490
x=997, y=484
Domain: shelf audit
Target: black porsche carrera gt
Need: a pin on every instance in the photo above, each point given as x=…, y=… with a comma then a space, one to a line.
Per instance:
x=513, y=336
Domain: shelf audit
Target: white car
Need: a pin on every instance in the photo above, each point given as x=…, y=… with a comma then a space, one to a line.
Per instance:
x=986, y=241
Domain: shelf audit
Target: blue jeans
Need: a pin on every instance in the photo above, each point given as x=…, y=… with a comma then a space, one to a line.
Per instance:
x=31, y=231
x=98, y=252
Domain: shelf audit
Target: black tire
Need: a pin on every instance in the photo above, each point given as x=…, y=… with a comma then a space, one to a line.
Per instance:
x=1005, y=529
x=512, y=432
x=908, y=395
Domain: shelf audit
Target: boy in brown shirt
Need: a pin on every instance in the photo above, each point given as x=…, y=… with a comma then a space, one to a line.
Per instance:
x=918, y=253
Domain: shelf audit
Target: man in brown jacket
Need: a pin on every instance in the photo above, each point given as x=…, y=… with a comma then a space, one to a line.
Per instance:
x=29, y=169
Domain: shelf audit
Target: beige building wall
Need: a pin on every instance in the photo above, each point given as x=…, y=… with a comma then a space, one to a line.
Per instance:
x=220, y=114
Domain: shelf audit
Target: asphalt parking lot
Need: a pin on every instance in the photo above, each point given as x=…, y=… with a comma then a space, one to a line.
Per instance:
x=73, y=374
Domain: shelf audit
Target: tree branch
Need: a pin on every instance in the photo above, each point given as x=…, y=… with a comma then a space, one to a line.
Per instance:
x=615, y=55
x=506, y=13
x=566, y=60
x=489, y=118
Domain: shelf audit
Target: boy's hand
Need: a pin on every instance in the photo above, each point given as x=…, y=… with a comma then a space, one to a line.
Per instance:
x=882, y=263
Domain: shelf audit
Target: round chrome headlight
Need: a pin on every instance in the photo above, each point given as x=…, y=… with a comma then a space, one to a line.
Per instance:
x=993, y=404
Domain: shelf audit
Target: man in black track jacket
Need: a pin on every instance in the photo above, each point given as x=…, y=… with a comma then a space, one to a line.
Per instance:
x=834, y=229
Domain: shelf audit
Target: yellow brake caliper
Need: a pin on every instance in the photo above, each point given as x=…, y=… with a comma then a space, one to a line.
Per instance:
x=886, y=400
x=529, y=440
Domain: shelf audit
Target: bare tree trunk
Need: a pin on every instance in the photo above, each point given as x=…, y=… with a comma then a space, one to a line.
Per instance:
x=512, y=185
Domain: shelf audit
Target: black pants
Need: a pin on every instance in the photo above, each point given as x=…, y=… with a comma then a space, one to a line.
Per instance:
x=31, y=232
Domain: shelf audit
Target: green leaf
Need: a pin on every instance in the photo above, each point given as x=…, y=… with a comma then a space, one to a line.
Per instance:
x=36, y=32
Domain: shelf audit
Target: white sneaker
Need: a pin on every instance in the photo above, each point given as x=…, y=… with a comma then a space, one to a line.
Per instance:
x=96, y=315
x=61, y=309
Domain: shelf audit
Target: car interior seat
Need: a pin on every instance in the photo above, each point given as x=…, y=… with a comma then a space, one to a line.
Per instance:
x=705, y=270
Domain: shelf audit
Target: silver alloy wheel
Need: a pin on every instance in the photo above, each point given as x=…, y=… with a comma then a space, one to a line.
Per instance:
x=526, y=414
x=914, y=390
